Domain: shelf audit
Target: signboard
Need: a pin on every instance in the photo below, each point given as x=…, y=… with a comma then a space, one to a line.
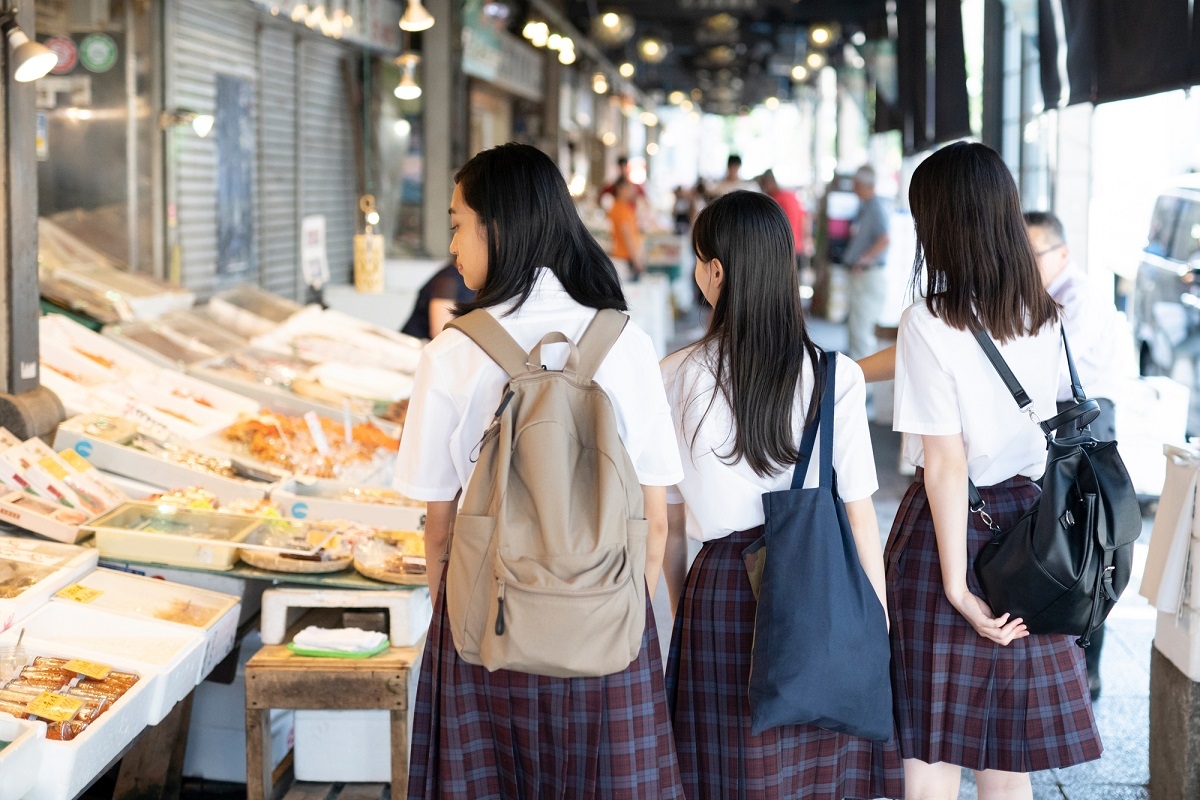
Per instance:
x=314, y=258
x=370, y=23
x=68, y=53
x=98, y=52
x=495, y=55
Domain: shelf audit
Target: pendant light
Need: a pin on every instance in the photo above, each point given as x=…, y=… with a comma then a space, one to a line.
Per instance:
x=416, y=17
x=408, y=88
x=29, y=60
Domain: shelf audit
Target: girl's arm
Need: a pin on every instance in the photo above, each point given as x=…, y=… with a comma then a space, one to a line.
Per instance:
x=865, y=527
x=675, y=563
x=656, y=515
x=439, y=522
x=879, y=366
x=946, y=483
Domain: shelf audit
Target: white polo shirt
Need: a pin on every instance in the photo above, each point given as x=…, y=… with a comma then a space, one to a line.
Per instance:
x=458, y=387
x=1094, y=332
x=723, y=498
x=945, y=385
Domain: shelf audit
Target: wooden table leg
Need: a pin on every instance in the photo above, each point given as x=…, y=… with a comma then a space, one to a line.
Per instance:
x=399, y=720
x=153, y=768
x=259, y=779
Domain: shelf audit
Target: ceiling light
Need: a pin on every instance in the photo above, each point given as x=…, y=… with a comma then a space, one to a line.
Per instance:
x=697, y=95
x=416, y=17
x=771, y=103
x=202, y=124
x=815, y=60
x=402, y=127
x=652, y=50
x=675, y=97
x=528, y=30
x=408, y=88
x=609, y=138
x=686, y=105
x=626, y=70
x=649, y=119
x=722, y=23
x=652, y=149
x=566, y=56
x=555, y=41
x=799, y=72
x=859, y=38
x=611, y=20
x=541, y=34
x=820, y=35
x=599, y=83
x=29, y=60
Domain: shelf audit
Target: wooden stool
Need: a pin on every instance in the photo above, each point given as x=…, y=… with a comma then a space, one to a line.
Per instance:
x=278, y=678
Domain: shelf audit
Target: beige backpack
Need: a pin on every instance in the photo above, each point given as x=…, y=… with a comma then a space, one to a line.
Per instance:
x=548, y=554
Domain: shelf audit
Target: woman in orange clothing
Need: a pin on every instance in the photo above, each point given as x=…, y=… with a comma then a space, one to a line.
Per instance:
x=626, y=237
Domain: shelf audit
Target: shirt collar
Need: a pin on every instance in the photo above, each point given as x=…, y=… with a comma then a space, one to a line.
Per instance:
x=547, y=289
x=1068, y=272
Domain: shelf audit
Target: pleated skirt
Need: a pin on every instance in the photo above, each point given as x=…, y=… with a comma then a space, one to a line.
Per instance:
x=960, y=698
x=708, y=678
x=502, y=735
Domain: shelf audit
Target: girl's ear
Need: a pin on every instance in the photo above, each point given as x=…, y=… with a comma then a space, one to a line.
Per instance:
x=716, y=275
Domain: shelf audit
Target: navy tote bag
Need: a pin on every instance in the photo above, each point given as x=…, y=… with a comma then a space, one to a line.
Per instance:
x=821, y=652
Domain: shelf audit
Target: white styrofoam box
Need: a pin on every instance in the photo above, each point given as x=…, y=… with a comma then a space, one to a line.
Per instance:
x=250, y=591
x=1151, y=412
x=409, y=609
x=135, y=489
x=317, y=499
x=21, y=759
x=68, y=561
x=213, y=613
x=55, y=329
x=1177, y=636
x=173, y=652
x=77, y=763
x=345, y=746
x=217, y=734
x=142, y=466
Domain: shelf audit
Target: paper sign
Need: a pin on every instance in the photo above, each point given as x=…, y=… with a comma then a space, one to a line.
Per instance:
x=88, y=669
x=76, y=461
x=80, y=594
x=55, y=707
x=317, y=432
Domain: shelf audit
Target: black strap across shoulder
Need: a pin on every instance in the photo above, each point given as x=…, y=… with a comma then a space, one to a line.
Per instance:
x=824, y=422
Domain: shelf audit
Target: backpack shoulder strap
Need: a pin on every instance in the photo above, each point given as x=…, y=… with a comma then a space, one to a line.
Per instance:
x=601, y=334
x=482, y=328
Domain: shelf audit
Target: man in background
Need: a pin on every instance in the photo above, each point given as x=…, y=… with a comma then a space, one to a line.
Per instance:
x=866, y=259
x=791, y=207
x=733, y=180
x=626, y=235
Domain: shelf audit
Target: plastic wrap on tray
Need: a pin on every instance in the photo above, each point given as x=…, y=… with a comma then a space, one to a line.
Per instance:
x=81, y=700
x=179, y=338
x=321, y=450
x=392, y=557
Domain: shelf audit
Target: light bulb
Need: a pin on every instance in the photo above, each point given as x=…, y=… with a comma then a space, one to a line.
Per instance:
x=416, y=17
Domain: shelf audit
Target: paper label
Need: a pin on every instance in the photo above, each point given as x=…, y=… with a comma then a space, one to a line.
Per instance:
x=18, y=553
x=75, y=461
x=78, y=593
x=55, y=707
x=317, y=432
x=53, y=467
x=88, y=669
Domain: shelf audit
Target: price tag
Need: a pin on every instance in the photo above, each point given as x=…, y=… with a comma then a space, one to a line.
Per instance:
x=75, y=461
x=78, y=593
x=88, y=669
x=318, y=433
x=53, y=467
x=55, y=707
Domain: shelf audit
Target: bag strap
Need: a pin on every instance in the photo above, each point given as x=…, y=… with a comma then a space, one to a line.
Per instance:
x=601, y=334
x=827, y=369
x=484, y=330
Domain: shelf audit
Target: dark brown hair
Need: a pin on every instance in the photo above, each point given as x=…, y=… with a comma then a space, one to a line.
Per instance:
x=757, y=340
x=980, y=269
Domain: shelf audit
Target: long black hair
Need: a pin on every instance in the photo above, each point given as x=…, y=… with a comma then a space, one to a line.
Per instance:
x=757, y=340
x=530, y=221
x=973, y=246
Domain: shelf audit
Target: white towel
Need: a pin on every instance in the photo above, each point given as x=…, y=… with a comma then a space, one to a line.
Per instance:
x=340, y=640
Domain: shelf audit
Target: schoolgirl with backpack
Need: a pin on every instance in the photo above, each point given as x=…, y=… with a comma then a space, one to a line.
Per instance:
x=778, y=670
x=540, y=436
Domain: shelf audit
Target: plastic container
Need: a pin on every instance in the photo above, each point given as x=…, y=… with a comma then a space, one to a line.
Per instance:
x=21, y=756
x=51, y=566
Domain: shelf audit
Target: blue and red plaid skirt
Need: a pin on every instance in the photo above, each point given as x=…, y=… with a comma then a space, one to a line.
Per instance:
x=708, y=679
x=480, y=735
x=960, y=698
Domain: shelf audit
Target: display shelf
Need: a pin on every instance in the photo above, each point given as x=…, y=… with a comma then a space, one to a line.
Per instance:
x=213, y=613
x=250, y=311
x=320, y=499
x=47, y=567
x=176, y=339
x=21, y=744
x=174, y=654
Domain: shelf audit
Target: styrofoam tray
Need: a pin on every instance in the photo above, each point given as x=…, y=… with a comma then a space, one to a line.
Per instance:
x=69, y=562
x=76, y=763
x=133, y=596
x=173, y=652
x=320, y=499
x=21, y=760
x=75, y=338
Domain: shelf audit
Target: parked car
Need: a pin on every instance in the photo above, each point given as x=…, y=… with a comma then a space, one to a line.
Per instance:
x=1166, y=295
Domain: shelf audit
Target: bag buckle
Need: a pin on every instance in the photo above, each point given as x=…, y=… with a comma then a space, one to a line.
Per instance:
x=985, y=516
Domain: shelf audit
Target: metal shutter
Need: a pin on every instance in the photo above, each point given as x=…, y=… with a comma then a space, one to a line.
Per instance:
x=325, y=158
x=278, y=229
x=204, y=37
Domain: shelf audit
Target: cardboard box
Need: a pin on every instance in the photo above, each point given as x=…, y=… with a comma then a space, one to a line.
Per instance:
x=42, y=517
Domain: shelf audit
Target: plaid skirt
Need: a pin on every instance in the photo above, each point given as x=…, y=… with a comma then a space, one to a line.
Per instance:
x=708, y=679
x=502, y=735
x=960, y=698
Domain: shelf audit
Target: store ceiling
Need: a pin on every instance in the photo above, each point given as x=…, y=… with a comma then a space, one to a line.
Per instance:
x=735, y=52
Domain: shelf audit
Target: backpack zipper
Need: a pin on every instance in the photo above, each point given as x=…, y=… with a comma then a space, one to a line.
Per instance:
x=492, y=428
x=500, y=610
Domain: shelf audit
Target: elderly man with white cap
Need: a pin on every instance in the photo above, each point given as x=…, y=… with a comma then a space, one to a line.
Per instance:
x=866, y=258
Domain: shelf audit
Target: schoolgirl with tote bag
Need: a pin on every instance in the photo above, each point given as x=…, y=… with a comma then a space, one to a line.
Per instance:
x=972, y=687
x=739, y=428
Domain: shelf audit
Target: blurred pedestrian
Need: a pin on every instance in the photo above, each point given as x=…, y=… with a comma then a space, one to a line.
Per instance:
x=733, y=181
x=627, y=241
x=436, y=302
x=791, y=208
x=866, y=258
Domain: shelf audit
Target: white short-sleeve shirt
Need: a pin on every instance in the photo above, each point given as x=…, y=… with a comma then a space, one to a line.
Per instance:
x=722, y=497
x=458, y=387
x=945, y=385
x=1095, y=335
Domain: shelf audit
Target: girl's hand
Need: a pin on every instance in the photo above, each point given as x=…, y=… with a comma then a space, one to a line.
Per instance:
x=1000, y=630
